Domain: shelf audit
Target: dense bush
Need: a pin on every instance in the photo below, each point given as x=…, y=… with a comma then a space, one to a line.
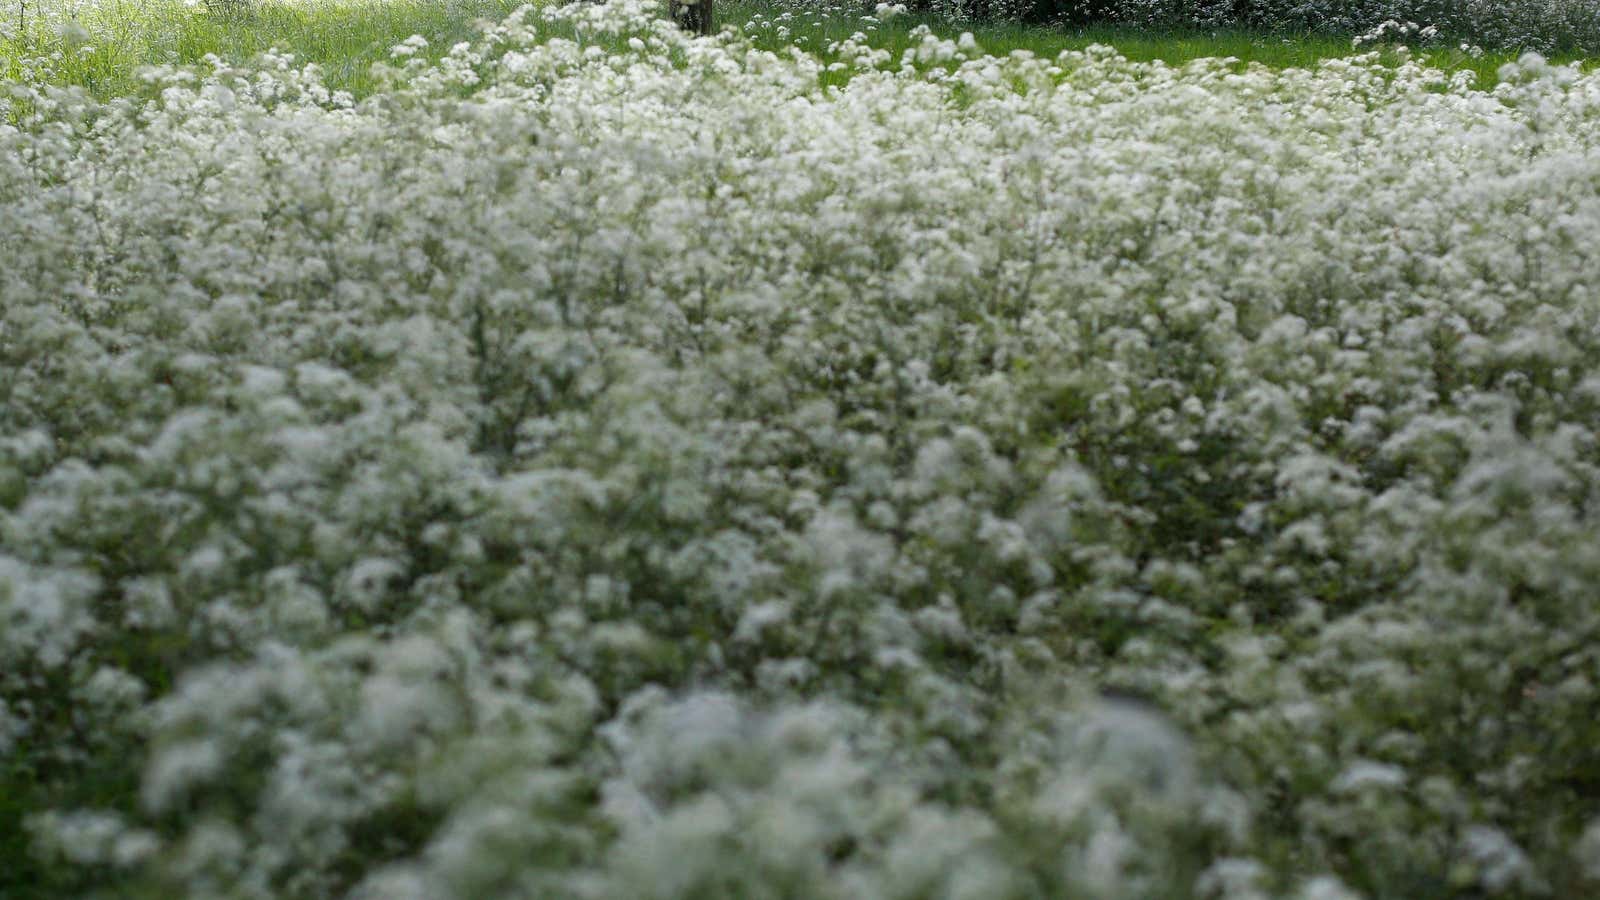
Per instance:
x=1547, y=25
x=616, y=467
x=1535, y=24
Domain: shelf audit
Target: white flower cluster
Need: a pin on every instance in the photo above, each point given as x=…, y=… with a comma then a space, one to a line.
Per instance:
x=1390, y=30
x=605, y=463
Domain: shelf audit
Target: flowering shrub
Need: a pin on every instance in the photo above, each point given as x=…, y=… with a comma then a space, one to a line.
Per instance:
x=1536, y=24
x=1547, y=25
x=606, y=464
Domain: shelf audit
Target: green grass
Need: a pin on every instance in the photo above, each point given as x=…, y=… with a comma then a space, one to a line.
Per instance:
x=346, y=37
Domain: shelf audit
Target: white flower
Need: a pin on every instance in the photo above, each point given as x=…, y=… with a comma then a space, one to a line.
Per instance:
x=409, y=47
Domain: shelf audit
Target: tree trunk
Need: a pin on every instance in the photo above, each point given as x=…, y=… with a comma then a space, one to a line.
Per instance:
x=693, y=16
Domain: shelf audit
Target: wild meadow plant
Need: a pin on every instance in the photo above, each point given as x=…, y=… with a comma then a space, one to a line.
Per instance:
x=604, y=463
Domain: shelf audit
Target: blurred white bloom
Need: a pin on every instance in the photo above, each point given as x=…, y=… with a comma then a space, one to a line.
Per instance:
x=604, y=463
x=175, y=769
x=1325, y=887
x=1501, y=864
x=408, y=47
x=1364, y=775
x=1587, y=851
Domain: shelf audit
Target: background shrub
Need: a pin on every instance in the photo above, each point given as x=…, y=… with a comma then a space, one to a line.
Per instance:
x=1544, y=25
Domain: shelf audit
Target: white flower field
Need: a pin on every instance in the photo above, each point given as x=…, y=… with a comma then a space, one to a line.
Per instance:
x=610, y=464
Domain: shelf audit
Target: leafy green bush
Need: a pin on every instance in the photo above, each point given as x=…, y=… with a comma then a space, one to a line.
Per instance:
x=1545, y=25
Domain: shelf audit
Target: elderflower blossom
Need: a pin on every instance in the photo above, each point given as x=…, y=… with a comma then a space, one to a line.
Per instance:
x=608, y=463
